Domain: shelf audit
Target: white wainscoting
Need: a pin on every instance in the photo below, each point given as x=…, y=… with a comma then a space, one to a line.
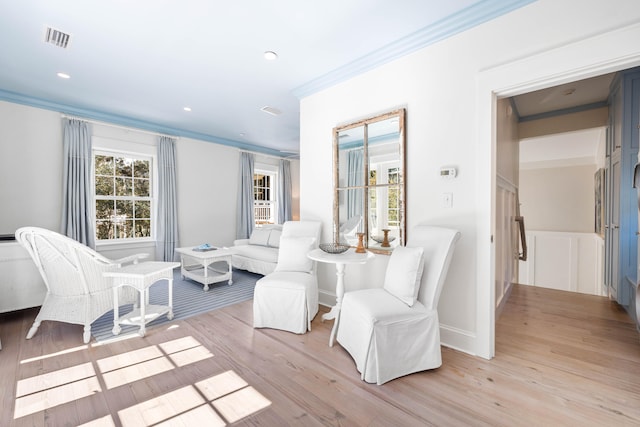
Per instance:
x=565, y=261
x=21, y=285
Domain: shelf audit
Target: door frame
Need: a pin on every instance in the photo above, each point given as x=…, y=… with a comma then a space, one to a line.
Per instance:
x=600, y=54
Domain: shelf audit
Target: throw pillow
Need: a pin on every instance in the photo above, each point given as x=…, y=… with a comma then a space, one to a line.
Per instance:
x=292, y=255
x=404, y=273
x=260, y=236
x=274, y=238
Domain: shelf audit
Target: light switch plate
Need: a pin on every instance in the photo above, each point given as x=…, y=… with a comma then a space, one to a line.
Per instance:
x=446, y=200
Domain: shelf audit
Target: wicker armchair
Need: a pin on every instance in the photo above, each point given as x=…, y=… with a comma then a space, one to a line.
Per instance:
x=77, y=292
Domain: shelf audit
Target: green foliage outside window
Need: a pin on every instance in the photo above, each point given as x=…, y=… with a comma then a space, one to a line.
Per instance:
x=123, y=197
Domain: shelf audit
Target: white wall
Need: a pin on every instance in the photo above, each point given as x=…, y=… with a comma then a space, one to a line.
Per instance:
x=507, y=142
x=207, y=192
x=30, y=167
x=449, y=90
x=507, y=232
x=558, y=199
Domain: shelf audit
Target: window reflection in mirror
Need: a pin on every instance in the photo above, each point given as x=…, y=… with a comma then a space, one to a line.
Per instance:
x=369, y=189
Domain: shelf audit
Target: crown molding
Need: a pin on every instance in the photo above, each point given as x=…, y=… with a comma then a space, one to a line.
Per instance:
x=458, y=22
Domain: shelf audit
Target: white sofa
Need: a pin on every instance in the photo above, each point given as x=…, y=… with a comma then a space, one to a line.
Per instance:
x=259, y=253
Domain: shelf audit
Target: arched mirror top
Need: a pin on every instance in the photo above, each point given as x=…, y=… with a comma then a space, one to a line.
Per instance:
x=369, y=182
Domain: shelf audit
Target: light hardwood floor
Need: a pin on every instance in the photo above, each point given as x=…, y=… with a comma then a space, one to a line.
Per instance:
x=561, y=359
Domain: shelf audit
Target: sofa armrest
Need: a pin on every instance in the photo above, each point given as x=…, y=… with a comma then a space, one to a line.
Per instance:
x=240, y=242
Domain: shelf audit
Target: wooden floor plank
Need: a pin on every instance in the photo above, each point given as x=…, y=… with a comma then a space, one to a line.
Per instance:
x=561, y=359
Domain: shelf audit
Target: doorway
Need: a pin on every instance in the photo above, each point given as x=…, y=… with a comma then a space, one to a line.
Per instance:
x=562, y=158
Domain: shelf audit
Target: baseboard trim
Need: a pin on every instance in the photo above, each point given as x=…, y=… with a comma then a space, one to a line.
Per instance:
x=458, y=339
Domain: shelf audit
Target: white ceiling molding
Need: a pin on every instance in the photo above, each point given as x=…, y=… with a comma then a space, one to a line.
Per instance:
x=470, y=17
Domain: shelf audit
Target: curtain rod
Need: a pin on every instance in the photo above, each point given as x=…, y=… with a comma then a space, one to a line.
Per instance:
x=127, y=128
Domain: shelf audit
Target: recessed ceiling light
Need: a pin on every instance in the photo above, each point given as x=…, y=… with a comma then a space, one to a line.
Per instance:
x=270, y=55
x=64, y=75
x=187, y=108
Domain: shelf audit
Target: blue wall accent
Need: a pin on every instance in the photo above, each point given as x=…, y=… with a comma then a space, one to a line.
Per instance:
x=465, y=19
x=133, y=123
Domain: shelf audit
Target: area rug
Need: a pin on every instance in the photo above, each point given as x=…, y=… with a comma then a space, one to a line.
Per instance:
x=189, y=299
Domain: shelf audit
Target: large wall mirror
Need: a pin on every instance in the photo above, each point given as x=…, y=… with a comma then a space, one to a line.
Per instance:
x=369, y=182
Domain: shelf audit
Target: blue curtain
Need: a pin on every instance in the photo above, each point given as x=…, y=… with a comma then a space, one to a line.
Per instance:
x=167, y=220
x=244, y=226
x=284, y=191
x=77, y=197
x=355, y=177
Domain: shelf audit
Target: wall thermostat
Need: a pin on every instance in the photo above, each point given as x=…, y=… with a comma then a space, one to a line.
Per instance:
x=448, y=172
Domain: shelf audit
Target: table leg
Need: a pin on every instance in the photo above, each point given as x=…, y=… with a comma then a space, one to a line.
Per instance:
x=334, y=313
x=143, y=314
x=206, y=274
x=116, y=315
x=230, y=271
x=170, y=284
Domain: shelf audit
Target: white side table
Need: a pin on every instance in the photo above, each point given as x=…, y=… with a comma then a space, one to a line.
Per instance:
x=340, y=260
x=196, y=265
x=141, y=277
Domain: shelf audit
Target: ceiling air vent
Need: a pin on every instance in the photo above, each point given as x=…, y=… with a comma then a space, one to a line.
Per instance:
x=56, y=37
x=271, y=110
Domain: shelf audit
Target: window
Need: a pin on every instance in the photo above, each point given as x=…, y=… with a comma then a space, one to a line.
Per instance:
x=264, y=197
x=123, y=196
x=384, y=196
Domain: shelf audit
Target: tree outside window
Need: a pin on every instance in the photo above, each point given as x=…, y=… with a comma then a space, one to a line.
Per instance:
x=123, y=199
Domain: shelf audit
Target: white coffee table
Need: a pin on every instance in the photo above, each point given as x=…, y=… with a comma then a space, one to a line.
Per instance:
x=197, y=265
x=140, y=277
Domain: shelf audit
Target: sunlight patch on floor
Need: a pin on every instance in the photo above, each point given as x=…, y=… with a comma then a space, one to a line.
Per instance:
x=59, y=353
x=240, y=404
x=216, y=401
x=55, y=395
x=105, y=421
x=136, y=365
x=170, y=406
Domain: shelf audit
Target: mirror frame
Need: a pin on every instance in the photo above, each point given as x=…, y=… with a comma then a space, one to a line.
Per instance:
x=400, y=114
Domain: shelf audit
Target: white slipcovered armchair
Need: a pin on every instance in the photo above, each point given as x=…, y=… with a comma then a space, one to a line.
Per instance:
x=287, y=299
x=394, y=331
x=77, y=292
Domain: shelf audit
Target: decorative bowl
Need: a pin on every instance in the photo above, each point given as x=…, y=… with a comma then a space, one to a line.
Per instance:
x=333, y=248
x=380, y=239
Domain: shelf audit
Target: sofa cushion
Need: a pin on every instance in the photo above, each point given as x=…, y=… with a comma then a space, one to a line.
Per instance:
x=274, y=238
x=261, y=253
x=260, y=236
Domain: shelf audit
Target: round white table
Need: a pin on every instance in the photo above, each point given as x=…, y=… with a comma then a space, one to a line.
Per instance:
x=340, y=260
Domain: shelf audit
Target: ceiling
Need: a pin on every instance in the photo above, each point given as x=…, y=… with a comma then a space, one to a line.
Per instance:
x=139, y=63
x=568, y=97
x=569, y=148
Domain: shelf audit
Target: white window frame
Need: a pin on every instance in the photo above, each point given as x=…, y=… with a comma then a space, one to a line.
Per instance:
x=272, y=171
x=152, y=197
x=382, y=169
